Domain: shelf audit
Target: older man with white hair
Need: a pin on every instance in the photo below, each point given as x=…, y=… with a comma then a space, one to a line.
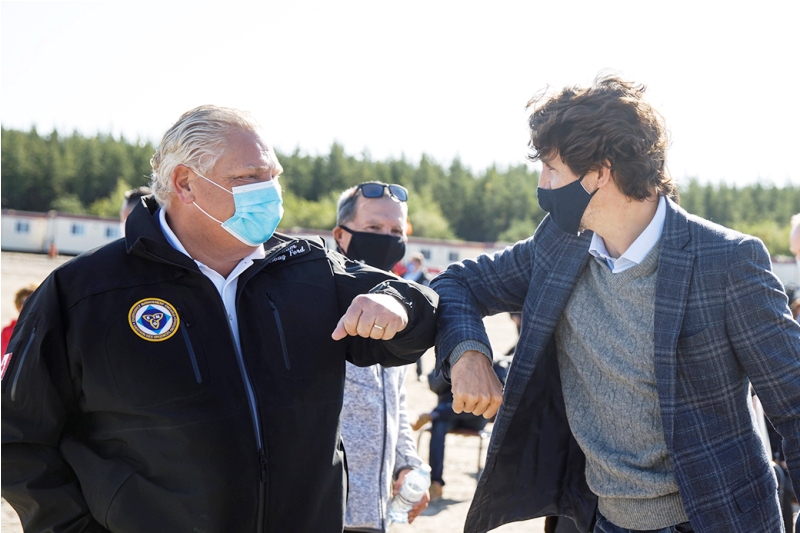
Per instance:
x=190, y=376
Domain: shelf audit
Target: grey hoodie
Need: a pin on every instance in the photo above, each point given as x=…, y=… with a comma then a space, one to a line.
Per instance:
x=378, y=442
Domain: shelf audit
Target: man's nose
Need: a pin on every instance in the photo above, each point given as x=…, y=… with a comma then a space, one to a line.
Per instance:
x=544, y=179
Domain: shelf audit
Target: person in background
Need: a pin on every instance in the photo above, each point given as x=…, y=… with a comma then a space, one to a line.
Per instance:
x=656, y=321
x=190, y=376
x=133, y=197
x=371, y=228
x=443, y=420
x=19, y=300
x=416, y=271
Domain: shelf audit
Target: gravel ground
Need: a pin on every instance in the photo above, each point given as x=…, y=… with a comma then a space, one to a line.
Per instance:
x=443, y=516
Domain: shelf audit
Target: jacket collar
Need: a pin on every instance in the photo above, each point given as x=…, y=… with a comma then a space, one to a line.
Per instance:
x=144, y=238
x=676, y=227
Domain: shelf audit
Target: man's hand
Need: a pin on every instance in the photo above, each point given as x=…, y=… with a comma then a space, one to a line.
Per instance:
x=376, y=316
x=420, y=505
x=476, y=388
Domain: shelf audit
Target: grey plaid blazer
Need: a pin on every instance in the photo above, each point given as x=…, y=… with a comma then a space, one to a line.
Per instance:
x=721, y=322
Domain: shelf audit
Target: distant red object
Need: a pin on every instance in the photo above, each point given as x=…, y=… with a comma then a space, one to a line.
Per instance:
x=7, y=331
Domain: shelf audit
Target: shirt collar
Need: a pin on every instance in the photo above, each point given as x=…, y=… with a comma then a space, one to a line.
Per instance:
x=172, y=239
x=637, y=251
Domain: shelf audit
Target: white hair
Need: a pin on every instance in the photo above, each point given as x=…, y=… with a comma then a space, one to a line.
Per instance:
x=196, y=140
x=795, y=221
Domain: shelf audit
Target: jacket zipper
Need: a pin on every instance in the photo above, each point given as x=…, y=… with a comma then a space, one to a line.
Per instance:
x=277, y=316
x=262, y=455
x=382, y=372
x=192, y=356
x=262, y=492
x=262, y=460
x=248, y=385
x=251, y=398
x=18, y=371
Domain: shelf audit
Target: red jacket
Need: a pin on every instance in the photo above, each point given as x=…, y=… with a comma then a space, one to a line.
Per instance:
x=7, y=331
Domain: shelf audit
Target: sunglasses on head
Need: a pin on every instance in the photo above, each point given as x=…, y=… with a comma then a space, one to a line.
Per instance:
x=374, y=189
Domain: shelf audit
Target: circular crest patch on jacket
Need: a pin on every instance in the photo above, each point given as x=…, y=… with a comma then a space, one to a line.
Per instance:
x=153, y=319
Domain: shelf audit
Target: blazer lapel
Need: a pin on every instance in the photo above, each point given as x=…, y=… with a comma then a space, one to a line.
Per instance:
x=552, y=282
x=672, y=287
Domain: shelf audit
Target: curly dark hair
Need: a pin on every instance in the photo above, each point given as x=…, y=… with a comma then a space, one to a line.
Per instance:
x=607, y=122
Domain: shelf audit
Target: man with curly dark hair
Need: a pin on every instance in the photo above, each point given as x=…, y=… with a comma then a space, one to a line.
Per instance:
x=627, y=407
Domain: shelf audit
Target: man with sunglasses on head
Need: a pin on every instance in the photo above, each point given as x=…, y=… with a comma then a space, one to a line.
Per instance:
x=371, y=224
x=371, y=227
x=627, y=407
x=189, y=377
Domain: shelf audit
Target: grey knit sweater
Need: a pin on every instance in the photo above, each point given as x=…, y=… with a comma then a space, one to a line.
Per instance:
x=606, y=358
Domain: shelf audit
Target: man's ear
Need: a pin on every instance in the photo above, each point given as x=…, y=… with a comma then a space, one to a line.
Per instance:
x=182, y=179
x=339, y=235
x=604, y=174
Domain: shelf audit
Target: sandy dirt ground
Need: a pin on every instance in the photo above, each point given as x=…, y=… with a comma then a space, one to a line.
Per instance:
x=461, y=453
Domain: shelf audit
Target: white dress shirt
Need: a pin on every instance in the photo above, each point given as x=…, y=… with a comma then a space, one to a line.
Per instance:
x=225, y=286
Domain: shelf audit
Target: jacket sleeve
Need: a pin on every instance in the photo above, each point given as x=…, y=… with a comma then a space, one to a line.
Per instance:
x=38, y=403
x=473, y=289
x=407, y=346
x=406, y=449
x=766, y=341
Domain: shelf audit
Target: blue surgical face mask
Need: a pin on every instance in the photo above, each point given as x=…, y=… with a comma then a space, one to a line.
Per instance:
x=259, y=208
x=566, y=205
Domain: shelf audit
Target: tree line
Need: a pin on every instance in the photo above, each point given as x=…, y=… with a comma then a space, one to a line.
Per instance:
x=89, y=174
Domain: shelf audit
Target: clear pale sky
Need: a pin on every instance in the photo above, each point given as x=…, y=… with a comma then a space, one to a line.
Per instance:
x=406, y=78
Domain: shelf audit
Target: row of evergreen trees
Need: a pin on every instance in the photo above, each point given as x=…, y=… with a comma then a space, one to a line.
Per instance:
x=79, y=174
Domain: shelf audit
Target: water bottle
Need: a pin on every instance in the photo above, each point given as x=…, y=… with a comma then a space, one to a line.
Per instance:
x=414, y=486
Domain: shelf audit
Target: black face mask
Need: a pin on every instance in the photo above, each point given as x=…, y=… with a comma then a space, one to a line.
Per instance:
x=566, y=205
x=375, y=249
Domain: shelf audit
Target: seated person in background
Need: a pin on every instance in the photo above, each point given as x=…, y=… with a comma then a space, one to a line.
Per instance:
x=443, y=420
x=19, y=301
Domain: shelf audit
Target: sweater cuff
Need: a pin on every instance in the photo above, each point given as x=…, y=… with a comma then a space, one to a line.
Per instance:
x=466, y=346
